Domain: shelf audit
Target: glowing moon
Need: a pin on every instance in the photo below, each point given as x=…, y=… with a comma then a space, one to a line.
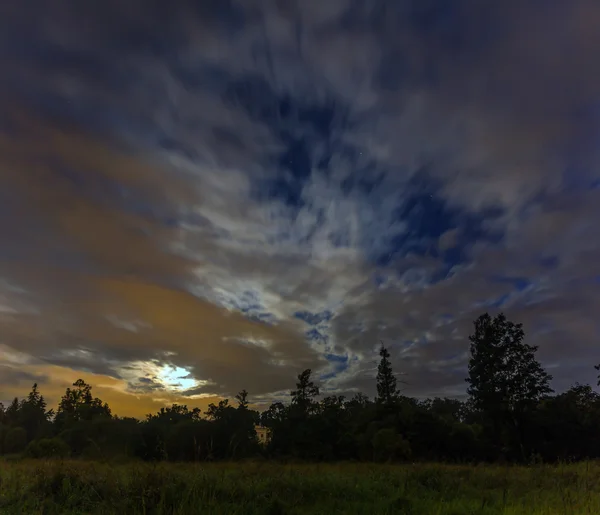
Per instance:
x=176, y=377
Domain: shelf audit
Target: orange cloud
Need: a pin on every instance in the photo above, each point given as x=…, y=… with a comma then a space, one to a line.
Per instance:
x=108, y=389
x=93, y=269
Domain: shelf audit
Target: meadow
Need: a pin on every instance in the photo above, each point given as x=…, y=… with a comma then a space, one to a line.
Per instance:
x=80, y=487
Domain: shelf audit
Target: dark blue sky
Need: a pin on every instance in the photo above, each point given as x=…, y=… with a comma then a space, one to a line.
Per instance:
x=233, y=191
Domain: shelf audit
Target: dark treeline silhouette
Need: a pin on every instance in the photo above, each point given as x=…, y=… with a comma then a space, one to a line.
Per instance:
x=510, y=415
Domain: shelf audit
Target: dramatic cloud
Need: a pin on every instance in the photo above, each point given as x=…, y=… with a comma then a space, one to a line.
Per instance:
x=210, y=196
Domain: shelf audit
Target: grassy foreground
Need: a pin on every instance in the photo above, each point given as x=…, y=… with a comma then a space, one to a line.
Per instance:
x=35, y=487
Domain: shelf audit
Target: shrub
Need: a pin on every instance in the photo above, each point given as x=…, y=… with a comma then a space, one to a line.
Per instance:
x=3, y=430
x=15, y=440
x=388, y=445
x=47, y=448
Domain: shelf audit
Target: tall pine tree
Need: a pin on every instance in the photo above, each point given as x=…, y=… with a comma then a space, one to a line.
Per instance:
x=387, y=390
x=242, y=399
x=304, y=394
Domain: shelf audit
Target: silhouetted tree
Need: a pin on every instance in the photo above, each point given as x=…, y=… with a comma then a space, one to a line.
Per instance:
x=276, y=413
x=303, y=423
x=276, y=419
x=505, y=380
x=331, y=426
x=175, y=413
x=387, y=392
x=175, y=432
x=243, y=440
x=11, y=414
x=451, y=410
x=242, y=399
x=83, y=421
x=219, y=411
x=33, y=416
x=597, y=367
x=78, y=404
x=567, y=425
x=305, y=393
x=358, y=401
x=509, y=414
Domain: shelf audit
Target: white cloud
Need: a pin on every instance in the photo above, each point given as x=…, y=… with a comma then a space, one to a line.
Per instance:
x=128, y=325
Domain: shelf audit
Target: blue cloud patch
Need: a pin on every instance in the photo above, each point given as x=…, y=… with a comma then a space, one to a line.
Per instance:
x=304, y=128
x=519, y=283
x=314, y=318
x=317, y=336
x=250, y=305
x=427, y=216
x=339, y=364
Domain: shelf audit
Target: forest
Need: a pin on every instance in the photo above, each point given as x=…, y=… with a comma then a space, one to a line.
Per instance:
x=511, y=414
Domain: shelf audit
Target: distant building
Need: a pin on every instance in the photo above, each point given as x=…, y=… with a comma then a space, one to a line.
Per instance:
x=263, y=434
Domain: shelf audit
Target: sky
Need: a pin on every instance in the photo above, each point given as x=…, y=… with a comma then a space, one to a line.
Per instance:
x=203, y=196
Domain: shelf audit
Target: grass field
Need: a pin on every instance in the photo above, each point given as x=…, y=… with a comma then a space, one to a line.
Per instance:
x=35, y=487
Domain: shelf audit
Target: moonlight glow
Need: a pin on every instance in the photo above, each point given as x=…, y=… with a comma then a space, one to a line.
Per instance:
x=176, y=378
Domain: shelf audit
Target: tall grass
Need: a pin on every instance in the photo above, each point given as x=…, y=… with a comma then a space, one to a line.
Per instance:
x=72, y=487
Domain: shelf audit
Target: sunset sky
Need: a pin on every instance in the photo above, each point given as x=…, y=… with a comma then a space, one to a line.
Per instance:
x=208, y=195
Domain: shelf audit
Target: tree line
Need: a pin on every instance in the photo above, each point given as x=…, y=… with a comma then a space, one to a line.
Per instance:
x=511, y=414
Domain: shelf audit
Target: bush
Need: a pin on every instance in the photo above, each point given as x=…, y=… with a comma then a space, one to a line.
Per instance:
x=15, y=440
x=388, y=445
x=76, y=438
x=3, y=430
x=47, y=448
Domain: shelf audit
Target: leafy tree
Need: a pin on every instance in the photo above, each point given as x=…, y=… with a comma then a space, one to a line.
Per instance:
x=331, y=427
x=175, y=413
x=78, y=404
x=302, y=427
x=505, y=380
x=597, y=367
x=188, y=440
x=451, y=410
x=276, y=418
x=387, y=392
x=244, y=440
x=219, y=411
x=171, y=433
x=503, y=371
x=569, y=424
x=275, y=414
x=357, y=402
x=234, y=435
